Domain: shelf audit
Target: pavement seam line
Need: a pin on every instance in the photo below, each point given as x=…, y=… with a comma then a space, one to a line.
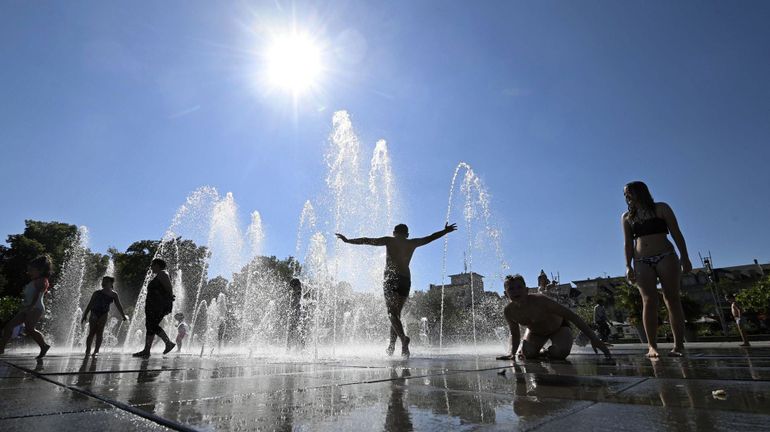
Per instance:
x=51, y=414
x=120, y=405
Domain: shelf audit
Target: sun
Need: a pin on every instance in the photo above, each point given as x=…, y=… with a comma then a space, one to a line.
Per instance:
x=294, y=62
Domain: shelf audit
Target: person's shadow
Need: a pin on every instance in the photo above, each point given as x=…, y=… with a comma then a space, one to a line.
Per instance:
x=397, y=418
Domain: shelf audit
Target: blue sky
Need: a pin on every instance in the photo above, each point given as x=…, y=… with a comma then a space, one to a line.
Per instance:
x=113, y=113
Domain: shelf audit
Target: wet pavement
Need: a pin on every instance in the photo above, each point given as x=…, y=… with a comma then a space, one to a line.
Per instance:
x=436, y=392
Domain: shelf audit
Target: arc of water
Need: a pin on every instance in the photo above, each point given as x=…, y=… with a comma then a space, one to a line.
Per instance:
x=198, y=200
x=471, y=183
x=446, y=246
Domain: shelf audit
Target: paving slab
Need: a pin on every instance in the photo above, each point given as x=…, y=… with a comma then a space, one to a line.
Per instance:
x=445, y=391
x=610, y=417
x=106, y=420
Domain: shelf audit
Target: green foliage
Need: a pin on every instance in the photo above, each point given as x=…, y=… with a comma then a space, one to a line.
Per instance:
x=428, y=305
x=692, y=309
x=131, y=268
x=53, y=238
x=586, y=313
x=756, y=298
x=629, y=300
x=8, y=307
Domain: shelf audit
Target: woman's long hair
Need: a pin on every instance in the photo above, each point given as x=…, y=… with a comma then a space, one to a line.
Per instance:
x=642, y=206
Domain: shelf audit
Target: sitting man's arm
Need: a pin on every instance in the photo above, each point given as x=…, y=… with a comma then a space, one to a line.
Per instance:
x=515, y=339
x=380, y=241
x=422, y=241
x=557, y=309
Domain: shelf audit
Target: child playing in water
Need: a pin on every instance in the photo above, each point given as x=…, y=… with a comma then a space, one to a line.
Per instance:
x=181, y=330
x=99, y=306
x=33, y=308
x=296, y=336
x=545, y=320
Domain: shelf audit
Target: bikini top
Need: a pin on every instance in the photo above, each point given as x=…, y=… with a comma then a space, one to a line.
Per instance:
x=650, y=226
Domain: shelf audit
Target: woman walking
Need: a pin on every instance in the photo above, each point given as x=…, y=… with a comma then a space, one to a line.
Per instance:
x=650, y=257
x=160, y=300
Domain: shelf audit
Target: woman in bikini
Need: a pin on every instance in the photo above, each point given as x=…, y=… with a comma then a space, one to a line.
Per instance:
x=99, y=307
x=38, y=270
x=650, y=257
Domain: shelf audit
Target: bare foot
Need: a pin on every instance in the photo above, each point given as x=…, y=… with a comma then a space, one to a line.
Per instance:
x=676, y=352
x=389, y=350
x=405, y=347
x=652, y=353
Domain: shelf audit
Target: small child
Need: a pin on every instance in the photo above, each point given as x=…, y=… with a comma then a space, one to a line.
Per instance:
x=181, y=330
x=99, y=306
x=295, y=315
x=740, y=321
x=545, y=320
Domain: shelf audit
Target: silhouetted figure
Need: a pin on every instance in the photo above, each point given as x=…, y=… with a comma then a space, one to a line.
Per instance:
x=160, y=301
x=645, y=228
x=740, y=321
x=398, y=278
x=600, y=319
x=542, y=283
x=181, y=330
x=296, y=337
x=545, y=320
x=32, y=309
x=99, y=308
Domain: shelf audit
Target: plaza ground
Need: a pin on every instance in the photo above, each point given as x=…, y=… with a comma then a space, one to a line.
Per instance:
x=431, y=391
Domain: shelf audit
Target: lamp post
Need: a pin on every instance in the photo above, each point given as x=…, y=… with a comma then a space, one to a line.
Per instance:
x=714, y=289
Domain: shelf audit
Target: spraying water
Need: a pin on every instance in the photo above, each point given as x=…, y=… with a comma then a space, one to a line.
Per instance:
x=65, y=298
x=476, y=212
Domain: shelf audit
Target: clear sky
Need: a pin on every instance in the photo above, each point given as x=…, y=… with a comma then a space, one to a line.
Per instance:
x=112, y=112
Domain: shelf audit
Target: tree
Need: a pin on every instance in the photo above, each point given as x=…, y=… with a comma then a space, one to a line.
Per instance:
x=52, y=238
x=428, y=305
x=756, y=298
x=131, y=268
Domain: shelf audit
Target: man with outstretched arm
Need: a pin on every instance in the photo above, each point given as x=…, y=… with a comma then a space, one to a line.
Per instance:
x=398, y=278
x=545, y=320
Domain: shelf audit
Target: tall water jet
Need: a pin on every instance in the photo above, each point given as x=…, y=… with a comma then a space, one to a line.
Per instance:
x=248, y=297
x=192, y=217
x=306, y=227
x=65, y=296
x=225, y=239
x=381, y=185
x=317, y=283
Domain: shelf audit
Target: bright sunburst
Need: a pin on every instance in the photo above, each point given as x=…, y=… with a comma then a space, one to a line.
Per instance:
x=294, y=62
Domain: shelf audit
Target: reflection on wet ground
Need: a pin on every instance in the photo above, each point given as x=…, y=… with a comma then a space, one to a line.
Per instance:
x=456, y=392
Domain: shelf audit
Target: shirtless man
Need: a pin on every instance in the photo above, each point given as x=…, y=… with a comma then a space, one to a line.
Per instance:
x=398, y=279
x=740, y=321
x=545, y=320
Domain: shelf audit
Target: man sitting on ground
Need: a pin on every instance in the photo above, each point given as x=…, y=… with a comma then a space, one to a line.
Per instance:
x=545, y=320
